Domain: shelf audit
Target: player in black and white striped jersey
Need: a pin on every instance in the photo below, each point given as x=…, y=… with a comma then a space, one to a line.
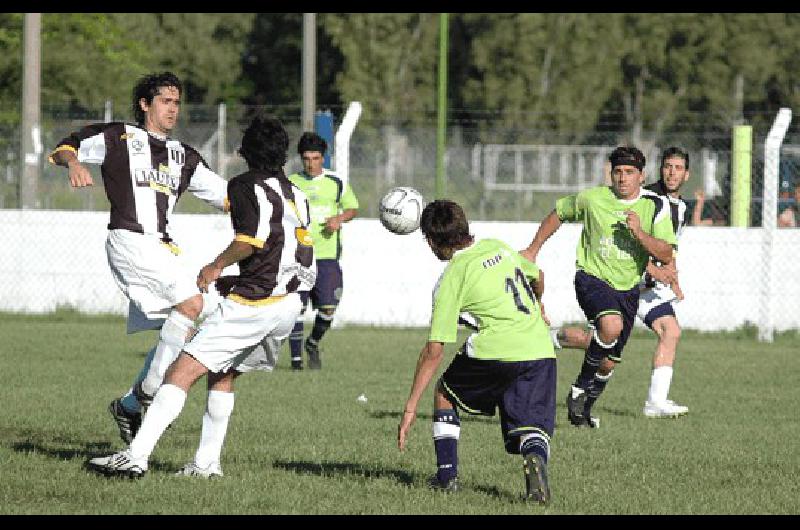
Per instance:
x=276, y=260
x=658, y=291
x=144, y=173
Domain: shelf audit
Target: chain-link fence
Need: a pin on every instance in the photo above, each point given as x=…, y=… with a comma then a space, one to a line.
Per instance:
x=496, y=173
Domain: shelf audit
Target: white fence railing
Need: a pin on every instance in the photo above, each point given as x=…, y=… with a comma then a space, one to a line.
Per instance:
x=53, y=258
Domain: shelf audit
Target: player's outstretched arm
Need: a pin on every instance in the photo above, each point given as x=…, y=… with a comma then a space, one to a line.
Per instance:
x=429, y=359
x=79, y=176
x=549, y=225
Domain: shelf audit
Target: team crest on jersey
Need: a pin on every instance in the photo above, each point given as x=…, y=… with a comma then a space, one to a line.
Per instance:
x=137, y=145
x=177, y=156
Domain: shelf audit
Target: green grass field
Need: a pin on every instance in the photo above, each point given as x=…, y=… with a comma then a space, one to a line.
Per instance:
x=300, y=443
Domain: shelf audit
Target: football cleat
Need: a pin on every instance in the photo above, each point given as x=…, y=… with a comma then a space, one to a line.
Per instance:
x=668, y=409
x=144, y=399
x=127, y=422
x=536, y=487
x=119, y=464
x=193, y=470
x=451, y=486
x=297, y=364
x=314, y=361
x=576, y=401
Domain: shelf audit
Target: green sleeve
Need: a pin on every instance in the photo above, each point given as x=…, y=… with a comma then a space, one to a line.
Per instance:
x=349, y=200
x=446, y=307
x=530, y=270
x=662, y=229
x=570, y=208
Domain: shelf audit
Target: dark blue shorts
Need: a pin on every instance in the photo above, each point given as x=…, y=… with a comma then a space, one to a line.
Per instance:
x=597, y=298
x=657, y=312
x=327, y=291
x=524, y=391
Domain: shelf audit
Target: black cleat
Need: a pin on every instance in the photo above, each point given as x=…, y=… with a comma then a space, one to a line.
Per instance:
x=314, y=361
x=536, y=487
x=127, y=422
x=297, y=364
x=451, y=486
x=576, y=401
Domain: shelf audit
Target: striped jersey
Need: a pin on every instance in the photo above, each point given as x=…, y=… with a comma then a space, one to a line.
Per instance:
x=144, y=175
x=272, y=215
x=328, y=196
x=607, y=249
x=677, y=208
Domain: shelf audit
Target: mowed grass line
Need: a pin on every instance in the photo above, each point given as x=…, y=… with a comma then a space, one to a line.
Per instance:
x=300, y=443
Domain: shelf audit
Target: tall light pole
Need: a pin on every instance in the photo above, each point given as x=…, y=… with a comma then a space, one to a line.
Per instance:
x=309, y=70
x=31, y=143
x=442, y=107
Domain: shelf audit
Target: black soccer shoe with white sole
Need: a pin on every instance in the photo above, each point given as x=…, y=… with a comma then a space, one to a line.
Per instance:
x=127, y=422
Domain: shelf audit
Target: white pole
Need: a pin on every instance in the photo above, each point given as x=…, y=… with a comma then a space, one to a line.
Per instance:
x=341, y=149
x=221, y=123
x=769, y=212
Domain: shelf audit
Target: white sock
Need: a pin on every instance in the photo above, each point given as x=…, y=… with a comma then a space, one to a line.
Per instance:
x=173, y=337
x=659, y=384
x=167, y=405
x=215, y=425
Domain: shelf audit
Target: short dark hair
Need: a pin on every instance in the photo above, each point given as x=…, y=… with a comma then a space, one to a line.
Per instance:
x=445, y=225
x=675, y=152
x=265, y=144
x=147, y=88
x=627, y=156
x=310, y=141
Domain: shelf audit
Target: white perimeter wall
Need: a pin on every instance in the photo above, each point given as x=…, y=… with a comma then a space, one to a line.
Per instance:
x=52, y=258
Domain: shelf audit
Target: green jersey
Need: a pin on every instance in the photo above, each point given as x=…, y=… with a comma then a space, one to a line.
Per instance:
x=327, y=196
x=488, y=282
x=607, y=248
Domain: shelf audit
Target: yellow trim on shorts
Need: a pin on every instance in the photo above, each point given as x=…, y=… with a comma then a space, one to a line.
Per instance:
x=244, y=238
x=226, y=205
x=63, y=147
x=172, y=248
x=246, y=301
x=460, y=403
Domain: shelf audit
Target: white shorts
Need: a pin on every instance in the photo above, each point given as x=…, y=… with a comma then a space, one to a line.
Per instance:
x=244, y=337
x=649, y=299
x=152, y=277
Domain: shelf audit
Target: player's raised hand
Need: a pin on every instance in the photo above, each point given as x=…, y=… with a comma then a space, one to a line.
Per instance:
x=79, y=176
x=633, y=221
x=405, y=426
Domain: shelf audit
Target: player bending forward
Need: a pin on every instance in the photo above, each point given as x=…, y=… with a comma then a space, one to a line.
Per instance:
x=508, y=364
x=276, y=259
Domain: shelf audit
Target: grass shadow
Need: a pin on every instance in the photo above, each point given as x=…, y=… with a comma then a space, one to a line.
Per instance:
x=465, y=418
x=332, y=469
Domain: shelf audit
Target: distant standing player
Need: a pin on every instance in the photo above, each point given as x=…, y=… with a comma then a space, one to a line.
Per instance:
x=507, y=364
x=276, y=259
x=333, y=203
x=658, y=290
x=622, y=228
x=144, y=173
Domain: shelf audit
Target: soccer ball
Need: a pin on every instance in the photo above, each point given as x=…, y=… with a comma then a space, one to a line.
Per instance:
x=400, y=210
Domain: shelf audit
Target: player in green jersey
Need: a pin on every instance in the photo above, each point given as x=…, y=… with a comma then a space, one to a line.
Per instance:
x=333, y=203
x=508, y=363
x=622, y=229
